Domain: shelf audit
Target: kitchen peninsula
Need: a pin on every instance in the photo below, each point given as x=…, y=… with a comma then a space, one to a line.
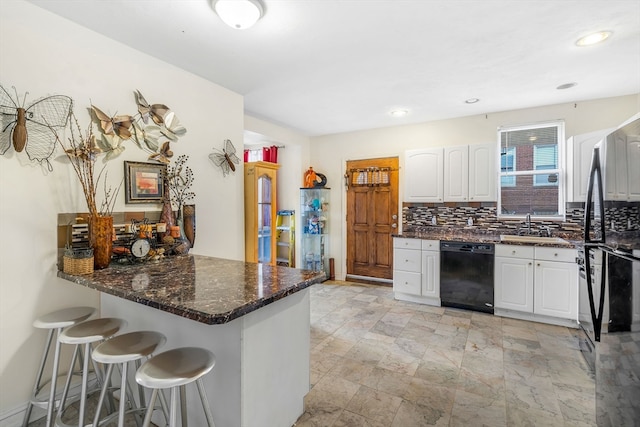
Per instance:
x=254, y=317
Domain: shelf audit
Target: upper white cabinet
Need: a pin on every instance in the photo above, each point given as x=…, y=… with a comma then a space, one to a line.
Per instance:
x=620, y=152
x=482, y=172
x=451, y=174
x=579, y=151
x=456, y=174
x=423, y=175
x=470, y=173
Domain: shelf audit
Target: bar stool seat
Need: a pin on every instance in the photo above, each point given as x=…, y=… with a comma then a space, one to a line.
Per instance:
x=54, y=322
x=175, y=369
x=122, y=349
x=85, y=334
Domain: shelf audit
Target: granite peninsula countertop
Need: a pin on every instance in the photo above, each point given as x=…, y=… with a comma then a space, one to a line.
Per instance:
x=205, y=289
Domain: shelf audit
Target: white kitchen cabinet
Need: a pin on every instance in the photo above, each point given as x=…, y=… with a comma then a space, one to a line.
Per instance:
x=424, y=175
x=620, y=155
x=514, y=278
x=456, y=174
x=556, y=282
x=416, y=270
x=541, y=282
x=431, y=269
x=482, y=172
x=407, y=266
x=579, y=152
x=470, y=173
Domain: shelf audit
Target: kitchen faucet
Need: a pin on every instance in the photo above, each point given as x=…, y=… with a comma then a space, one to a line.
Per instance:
x=528, y=223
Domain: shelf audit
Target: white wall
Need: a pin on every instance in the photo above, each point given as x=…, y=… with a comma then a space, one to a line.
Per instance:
x=44, y=54
x=330, y=152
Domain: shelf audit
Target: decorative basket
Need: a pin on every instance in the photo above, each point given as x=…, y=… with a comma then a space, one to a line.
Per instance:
x=78, y=261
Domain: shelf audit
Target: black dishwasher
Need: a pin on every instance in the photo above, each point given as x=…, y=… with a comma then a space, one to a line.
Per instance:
x=466, y=275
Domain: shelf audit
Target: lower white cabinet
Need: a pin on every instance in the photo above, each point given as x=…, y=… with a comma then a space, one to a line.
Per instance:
x=513, y=280
x=536, y=280
x=416, y=270
x=431, y=269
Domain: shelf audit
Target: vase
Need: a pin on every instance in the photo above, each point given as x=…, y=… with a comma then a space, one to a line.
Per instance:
x=189, y=223
x=101, y=239
x=166, y=215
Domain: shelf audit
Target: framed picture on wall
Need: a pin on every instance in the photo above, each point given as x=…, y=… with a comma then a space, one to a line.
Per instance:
x=143, y=182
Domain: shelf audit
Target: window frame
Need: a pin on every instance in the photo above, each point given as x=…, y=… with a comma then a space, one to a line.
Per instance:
x=560, y=171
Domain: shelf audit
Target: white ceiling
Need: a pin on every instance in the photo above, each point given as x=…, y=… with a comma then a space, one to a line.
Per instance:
x=329, y=66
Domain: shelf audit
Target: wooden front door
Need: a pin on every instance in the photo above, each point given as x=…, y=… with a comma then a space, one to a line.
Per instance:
x=372, y=216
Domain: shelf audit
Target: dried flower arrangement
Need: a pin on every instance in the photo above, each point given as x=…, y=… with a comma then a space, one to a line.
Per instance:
x=180, y=179
x=81, y=151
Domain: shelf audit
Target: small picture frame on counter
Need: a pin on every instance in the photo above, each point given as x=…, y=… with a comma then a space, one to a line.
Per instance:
x=143, y=182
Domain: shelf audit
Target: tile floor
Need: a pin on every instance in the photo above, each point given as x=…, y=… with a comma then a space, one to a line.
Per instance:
x=379, y=362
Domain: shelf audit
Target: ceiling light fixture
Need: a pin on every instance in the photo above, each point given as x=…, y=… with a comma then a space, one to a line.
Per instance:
x=239, y=14
x=567, y=86
x=399, y=113
x=471, y=101
x=594, y=38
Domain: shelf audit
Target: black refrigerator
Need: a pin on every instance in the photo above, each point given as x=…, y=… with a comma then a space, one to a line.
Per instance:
x=609, y=291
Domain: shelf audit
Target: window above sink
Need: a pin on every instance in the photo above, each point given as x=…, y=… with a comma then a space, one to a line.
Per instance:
x=531, y=171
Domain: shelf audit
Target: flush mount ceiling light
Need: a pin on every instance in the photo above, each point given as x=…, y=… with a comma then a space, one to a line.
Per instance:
x=238, y=14
x=567, y=86
x=398, y=113
x=471, y=101
x=594, y=38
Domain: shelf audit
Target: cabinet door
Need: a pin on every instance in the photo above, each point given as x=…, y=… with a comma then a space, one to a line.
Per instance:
x=423, y=175
x=556, y=289
x=456, y=174
x=633, y=169
x=482, y=173
x=514, y=284
x=431, y=274
x=579, y=151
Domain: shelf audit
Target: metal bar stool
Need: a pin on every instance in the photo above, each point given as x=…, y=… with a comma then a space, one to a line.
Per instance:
x=55, y=322
x=85, y=333
x=122, y=349
x=175, y=369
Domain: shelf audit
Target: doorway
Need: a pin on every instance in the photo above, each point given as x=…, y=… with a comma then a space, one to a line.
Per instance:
x=372, y=217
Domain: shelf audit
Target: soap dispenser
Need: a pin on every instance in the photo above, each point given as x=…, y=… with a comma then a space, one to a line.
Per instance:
x=434, y=221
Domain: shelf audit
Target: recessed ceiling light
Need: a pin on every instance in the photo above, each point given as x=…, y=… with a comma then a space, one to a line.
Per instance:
x=594, y=38
x=567, y=85
x=471, y=100
x=399, y=113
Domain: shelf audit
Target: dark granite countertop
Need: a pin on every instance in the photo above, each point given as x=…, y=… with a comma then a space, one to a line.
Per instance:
x=205, y=289
x=481, y=236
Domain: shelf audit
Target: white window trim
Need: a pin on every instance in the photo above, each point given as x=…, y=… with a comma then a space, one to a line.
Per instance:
x=561, y=216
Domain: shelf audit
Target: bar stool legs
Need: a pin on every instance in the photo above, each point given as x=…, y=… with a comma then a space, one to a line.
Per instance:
x=122, y=350
x=85, y=334
x=175, y=369
x=54, y=322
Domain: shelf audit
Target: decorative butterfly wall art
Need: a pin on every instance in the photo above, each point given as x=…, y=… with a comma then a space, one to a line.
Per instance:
x=225, y=158
x=29, y=127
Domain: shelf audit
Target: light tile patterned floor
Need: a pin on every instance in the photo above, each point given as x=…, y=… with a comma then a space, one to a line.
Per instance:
x=383, y=363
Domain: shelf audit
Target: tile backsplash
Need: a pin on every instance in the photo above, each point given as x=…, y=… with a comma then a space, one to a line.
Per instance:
x=622, y=216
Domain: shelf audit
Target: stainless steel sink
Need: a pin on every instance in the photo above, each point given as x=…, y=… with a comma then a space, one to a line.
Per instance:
x=532, y=239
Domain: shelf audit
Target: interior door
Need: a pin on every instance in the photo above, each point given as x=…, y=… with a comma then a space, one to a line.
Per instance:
x=372, y=217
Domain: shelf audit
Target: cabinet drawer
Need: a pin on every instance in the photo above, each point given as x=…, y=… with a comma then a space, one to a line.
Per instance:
x=407, y=260
x=514, y=251
x=409, y=283
x=430, y=245
x=556, y=254
x=407, y=243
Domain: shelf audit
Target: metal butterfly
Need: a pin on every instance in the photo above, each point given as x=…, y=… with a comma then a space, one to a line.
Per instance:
x=29, y=128
x=146, y=110
x=120, y=125
x=226, y=158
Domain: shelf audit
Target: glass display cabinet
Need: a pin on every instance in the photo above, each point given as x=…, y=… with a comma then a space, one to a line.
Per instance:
x=314, y=241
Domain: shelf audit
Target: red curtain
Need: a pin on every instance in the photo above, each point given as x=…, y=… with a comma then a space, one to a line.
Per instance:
x=270, y=154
